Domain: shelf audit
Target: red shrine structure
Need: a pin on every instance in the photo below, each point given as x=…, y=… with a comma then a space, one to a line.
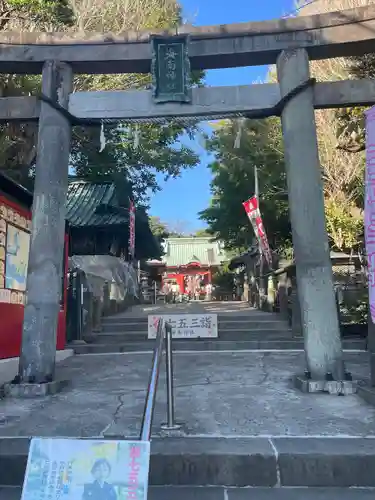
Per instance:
x=188, y=261
x=15, y=227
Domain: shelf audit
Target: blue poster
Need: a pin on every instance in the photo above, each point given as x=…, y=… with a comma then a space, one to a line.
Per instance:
x=80, y=469
x=17, y=257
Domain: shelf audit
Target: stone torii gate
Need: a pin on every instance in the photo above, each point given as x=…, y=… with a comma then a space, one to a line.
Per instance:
x=290, y=43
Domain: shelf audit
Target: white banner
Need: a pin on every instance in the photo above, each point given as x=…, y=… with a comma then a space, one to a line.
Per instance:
x=186, y=326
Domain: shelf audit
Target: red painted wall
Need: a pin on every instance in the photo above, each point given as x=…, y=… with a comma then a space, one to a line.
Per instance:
x=179, y=276
x=12, y=314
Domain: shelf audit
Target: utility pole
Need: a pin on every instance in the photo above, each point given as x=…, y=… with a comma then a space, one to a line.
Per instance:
x=262, y=283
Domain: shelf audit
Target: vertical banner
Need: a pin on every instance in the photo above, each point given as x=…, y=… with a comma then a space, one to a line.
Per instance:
x=370, y=206
x=251, y=207
x=131, y=230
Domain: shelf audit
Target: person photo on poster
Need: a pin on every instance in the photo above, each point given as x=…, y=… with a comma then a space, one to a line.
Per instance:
x=100, y=488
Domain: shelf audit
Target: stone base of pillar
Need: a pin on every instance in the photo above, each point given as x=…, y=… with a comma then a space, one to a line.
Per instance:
x=335, y=387
x=29, y=391
x=367, y=393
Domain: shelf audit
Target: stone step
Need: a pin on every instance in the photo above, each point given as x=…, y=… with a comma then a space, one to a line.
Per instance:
x=124, y=319
x=272, y=462
x=207, y=345
x=257, y=316
x=221, y=493
x=121, y=337
x=243, y=326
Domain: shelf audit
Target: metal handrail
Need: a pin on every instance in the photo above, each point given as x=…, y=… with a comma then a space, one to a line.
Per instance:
x=163, y=334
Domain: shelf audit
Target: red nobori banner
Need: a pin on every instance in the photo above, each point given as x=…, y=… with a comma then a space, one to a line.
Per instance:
x=131, y=229
x=251, y=207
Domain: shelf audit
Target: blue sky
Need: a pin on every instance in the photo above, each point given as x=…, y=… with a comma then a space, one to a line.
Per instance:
x=181, y=199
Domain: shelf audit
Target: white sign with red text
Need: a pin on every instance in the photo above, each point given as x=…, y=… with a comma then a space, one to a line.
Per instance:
x=186, y=326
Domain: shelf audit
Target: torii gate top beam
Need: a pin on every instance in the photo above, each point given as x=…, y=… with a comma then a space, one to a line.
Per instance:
x=346, y=33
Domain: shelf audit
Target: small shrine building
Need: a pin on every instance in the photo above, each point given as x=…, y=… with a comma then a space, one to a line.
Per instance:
x=189, y=260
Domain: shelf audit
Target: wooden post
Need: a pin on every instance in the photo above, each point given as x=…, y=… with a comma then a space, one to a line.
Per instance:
x=306, y=207
x=37, y=360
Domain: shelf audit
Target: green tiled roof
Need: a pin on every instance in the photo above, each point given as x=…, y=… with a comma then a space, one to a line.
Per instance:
x=95, y=204
x=182, y=251
x=88, y=204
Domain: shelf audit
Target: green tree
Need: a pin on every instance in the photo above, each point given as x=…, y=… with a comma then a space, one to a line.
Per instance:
x=233, y=183
x=18, y=140
x=203, y=233
x=138, y=159
x=138, y=152
x=341, y=138
x=223, y=278
x=158, y=228
x=138, y=164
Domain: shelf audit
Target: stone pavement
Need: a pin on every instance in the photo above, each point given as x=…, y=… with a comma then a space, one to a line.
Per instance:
x=228, y=394
x=9, y=366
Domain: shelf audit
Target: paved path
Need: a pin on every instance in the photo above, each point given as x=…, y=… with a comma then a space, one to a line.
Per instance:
x=217, y=394
x=222, y=308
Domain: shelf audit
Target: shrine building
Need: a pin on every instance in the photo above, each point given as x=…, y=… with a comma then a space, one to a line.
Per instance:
x=189, y=257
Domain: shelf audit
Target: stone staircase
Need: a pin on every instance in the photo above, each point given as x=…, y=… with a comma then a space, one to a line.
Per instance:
x=237, y=469
x=255, y=330
x=224, y=451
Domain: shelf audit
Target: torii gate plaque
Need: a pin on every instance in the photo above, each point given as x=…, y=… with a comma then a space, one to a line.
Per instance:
x=170, y=69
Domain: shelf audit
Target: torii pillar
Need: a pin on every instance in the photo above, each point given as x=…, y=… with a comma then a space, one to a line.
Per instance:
x=306, y=207
x=37, y=360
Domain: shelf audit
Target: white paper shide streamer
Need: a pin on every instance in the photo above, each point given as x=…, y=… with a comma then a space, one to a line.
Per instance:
x=102, y=138
x=237, y=141
x=137, y=137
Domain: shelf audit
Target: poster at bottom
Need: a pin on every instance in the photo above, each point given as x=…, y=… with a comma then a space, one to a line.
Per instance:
x=80, y=469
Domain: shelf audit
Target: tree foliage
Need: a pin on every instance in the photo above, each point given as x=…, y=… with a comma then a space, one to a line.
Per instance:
x=203, y=233
x=223, y=278
x=158, y=228
x=162, y=230
x=18, y=140
x=233, y=183
x=341, y=138
x=137, y=153
x=139, y=160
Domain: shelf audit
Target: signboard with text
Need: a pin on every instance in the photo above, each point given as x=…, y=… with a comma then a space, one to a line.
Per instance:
x=14, y=254
x=79, y=469
x=170, y=69
x=186, y=326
